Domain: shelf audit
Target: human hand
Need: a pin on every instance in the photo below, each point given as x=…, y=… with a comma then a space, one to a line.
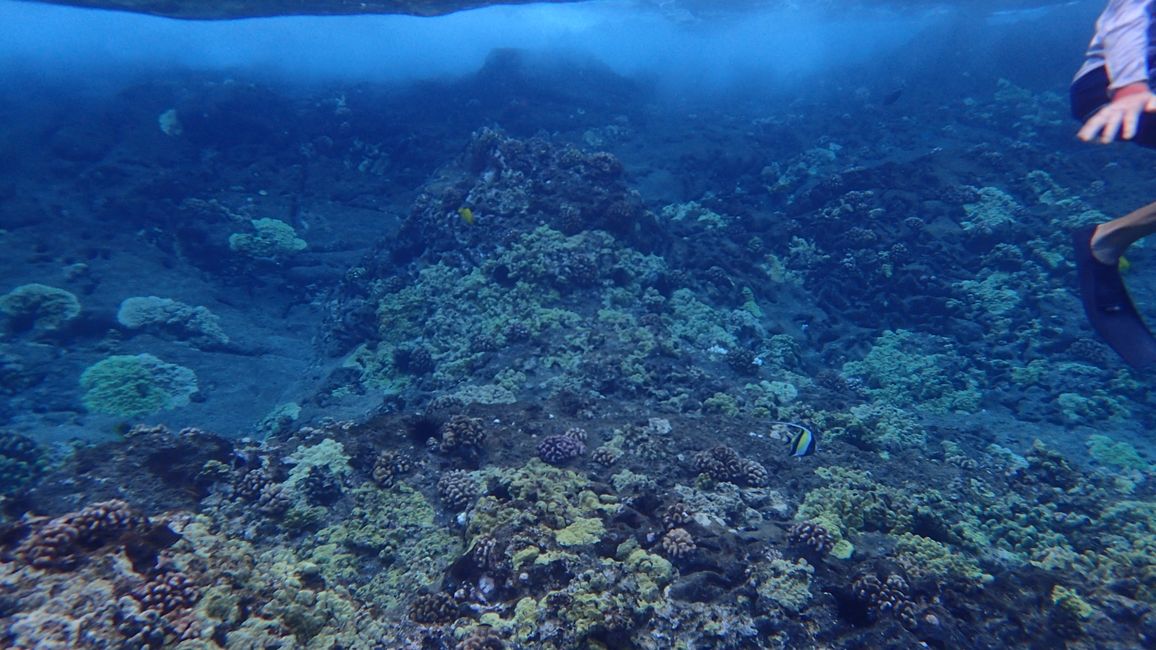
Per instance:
x=1124, y=111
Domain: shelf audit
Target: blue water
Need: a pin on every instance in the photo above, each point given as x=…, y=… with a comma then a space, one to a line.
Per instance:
x=346, y=288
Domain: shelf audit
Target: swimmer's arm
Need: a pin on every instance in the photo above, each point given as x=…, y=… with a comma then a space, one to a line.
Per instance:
x=1121, y=117
x=1123, y=31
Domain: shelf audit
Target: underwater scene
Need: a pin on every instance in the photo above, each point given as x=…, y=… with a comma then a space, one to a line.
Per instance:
x=607, y=325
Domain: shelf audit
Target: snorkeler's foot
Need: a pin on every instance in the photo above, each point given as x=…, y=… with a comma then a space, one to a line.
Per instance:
x=1109, y=308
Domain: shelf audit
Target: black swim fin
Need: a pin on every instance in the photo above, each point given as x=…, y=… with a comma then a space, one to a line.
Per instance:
x=1109, y=308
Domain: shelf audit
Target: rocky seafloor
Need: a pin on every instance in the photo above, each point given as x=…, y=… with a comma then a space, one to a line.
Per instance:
x=513, y=362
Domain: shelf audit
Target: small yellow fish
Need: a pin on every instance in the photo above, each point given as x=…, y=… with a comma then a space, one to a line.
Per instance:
x=1124, y=265
x=467, y=215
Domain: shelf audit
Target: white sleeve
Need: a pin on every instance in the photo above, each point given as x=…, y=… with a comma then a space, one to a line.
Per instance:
x=1124, y=29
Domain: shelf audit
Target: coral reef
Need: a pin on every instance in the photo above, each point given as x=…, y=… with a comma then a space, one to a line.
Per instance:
x=396, y=456
x=903, y=370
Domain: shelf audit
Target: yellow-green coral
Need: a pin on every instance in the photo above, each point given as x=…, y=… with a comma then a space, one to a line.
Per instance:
x=723, y=403
x=697, y=324
x=905, y=369
x=443, y=299
x=922, y=556
x=881, y=426
x=318, y=616
x=694, y=211
x=1093, y=405
x=651, y=572
x=632, y=584
x=851, y=501
x=993, y=210
x=134, y=385
x=1070, y=601
x=1116, y=454
x=582, y=532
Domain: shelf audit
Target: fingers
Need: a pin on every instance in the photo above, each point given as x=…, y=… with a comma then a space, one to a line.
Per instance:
x=1121, y=118
x=1131, y=123
x=1105, y=124
x=1111, y=127
x=1090, y=128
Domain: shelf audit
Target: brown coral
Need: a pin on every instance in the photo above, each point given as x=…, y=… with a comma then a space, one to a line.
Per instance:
x=812, y=537
x=389, y=466
x=54, y=546
x=167, y=592
x=62, y=542
x=887, y=596
x=482, y=637
x=677, y=543
x=274, y=500
x=486, y=553
x=561, y=449
x=456, y=489
x=250, y=485
x=676, y=515
x=461, y=432
x=606, y=456
x=434, y=609
x=722, y=463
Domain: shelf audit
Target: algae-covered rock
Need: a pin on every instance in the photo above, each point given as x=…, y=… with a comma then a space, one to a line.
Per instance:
x=328, y=454
x=539, y=495
x=396, y=530
x=783, y=584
